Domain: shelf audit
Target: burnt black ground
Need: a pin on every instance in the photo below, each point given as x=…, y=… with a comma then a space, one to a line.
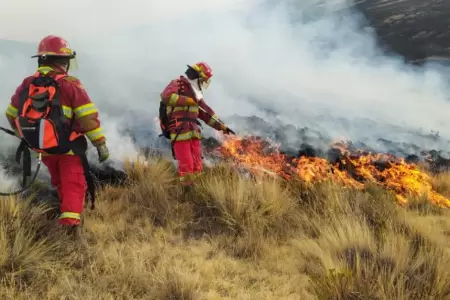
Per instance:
x=415, y=29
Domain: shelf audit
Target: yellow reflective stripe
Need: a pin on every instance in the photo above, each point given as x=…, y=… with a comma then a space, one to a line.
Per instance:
x=67, y=111
x=70, y=215
x=12, y=111
x=190, y=176
x=186, y=136
x=212, y=120
x=68, y=153
x=168, y=109
x=95, y=134
x=44, y=70
x=85, y=110
x=173, y=99
x=186, y=177
x=193, y=109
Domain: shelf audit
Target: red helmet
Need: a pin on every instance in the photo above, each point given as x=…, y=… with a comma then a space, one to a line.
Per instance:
x=205, y=73
x=203, y=69
x=54, y=46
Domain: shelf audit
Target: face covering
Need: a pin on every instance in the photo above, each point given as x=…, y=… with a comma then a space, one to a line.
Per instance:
x=196, y=88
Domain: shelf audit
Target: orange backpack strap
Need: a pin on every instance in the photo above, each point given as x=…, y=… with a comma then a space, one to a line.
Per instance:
x=50, y=119
x=25, y=94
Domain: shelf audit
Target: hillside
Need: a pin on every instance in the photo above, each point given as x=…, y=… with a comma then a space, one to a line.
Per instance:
x=235, y=238
x=343, y=201
x=414, y=29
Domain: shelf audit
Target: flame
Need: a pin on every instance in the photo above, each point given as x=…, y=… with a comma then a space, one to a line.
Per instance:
x=352, y=168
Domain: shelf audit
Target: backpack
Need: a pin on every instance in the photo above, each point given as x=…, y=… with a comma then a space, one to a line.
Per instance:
x=164, y=120
x=44, y=128
x=41, y=121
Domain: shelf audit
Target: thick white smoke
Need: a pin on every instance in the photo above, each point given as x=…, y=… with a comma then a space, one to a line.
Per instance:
x=299, y=59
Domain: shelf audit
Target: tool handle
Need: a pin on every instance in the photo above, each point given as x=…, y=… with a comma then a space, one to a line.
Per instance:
x=8, y=131
x=217, y=120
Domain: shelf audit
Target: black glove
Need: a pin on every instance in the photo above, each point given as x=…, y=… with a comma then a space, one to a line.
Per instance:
x=228, y=131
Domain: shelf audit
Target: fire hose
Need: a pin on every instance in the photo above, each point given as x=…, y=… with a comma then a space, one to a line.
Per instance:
x=23, y=148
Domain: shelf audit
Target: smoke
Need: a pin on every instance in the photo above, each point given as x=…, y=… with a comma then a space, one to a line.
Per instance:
x=6, y=183
x=306, y=63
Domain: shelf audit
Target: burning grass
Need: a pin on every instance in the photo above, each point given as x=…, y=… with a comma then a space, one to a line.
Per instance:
x=351, y=168
x=235, y=237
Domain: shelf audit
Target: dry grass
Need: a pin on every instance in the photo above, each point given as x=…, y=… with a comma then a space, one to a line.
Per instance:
x=233, y=238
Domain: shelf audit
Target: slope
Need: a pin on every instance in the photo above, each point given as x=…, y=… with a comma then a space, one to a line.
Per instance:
x=234, y=238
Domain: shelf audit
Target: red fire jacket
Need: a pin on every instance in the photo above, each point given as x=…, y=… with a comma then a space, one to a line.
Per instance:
x=176, y=96
x=76, y=105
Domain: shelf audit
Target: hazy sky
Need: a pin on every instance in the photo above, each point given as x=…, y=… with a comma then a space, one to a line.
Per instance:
x=75, y=18
x=311, y=71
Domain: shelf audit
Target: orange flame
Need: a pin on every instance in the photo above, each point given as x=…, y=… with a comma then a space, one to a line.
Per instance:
x=355, y=168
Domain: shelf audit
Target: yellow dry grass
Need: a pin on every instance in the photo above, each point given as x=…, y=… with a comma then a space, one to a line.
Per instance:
x=233, y=238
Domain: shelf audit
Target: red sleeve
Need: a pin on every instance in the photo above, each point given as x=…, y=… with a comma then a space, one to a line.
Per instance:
x=84, y=111
x=12, y=109
x=75, y=92
x=15, y=97
x=209, y=117
x=171, y=97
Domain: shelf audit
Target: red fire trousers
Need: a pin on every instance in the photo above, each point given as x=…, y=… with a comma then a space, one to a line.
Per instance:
x=67, y=175
x=189, y=156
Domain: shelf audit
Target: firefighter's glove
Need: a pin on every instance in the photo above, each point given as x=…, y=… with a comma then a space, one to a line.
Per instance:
x=103, y=153
x=227, y=130
x=191, y=102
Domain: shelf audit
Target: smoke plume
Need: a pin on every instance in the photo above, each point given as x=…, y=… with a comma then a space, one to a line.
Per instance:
x=307, y=63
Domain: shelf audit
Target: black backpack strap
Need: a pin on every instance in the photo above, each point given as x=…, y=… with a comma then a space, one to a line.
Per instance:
x=57, y=111
x=164, y=120
x=20, y=150
x=26, y=167
x=89, y=179
x=23, y=96
x=79, y=148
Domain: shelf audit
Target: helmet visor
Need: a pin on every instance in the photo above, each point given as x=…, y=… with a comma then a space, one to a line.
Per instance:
x=73, y=64
x=205, y=83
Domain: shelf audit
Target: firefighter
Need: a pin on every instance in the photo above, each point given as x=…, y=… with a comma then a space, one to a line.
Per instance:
x=66, y=169
x=183, y=98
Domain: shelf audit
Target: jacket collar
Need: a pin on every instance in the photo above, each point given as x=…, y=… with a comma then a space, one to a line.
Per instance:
x=194, y=86
x=47, y=70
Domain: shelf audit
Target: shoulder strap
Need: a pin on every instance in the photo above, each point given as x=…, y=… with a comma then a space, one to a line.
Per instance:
x=57, y=110
x=22, y=98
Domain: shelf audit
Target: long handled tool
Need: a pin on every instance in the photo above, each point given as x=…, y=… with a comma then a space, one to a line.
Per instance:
x=217, y=120
x=8, y=131
x=26, y=164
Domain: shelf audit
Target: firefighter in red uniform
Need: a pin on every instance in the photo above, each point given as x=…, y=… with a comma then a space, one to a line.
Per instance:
x=185, y=104
x=66, y=170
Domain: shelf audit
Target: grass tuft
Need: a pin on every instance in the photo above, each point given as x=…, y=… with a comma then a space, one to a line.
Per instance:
x=233, y=237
